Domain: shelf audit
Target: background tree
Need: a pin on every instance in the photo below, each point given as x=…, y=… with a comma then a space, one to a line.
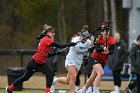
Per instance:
x=21, y=20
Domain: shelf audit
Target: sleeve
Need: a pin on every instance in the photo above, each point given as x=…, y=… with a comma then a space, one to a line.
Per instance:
x=91, y=49
x=79, y=49
x=75, y=40
x=49, y=41
x=133, y=55
x=51, y=54
x=112, y=47
x=58, y=45
x=98, y=48
x=124, y=53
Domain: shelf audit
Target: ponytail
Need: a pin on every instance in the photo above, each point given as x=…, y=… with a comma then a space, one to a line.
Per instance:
x=46, y=28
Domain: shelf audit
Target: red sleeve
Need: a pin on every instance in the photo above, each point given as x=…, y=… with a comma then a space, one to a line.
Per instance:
x=48, y=40
x=111, y=41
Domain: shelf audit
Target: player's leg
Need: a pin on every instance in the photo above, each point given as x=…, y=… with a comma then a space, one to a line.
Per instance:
x=63, y=80
x=28, y=73
x=89, y=82
x=117, y=81
x=77, y=82
x=49, y=73
x=100, y=72
x=72, y=72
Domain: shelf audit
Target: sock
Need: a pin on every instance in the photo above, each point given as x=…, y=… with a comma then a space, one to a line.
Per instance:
x=84, y=88
x=56, y=79
x=11, y=87
x=76, y=88
x=96, y=89
x=52, y=89
x=47, y=90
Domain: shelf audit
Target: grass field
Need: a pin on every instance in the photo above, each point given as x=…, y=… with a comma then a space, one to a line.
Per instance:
x=25, y=91
x=38, y=82
x=42, y=91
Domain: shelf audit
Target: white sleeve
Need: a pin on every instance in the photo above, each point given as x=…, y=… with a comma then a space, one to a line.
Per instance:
x=75, y=39
x=80, y=51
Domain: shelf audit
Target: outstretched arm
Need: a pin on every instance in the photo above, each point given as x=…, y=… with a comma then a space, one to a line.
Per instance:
x=58, y=45
x=53, y=54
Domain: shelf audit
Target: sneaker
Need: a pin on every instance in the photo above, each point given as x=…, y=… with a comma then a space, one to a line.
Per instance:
x=76, y=88
x=7, y=91
x=90, y=89
x=55, y=80
x=130, y=91
x=52, y=89
x=96, y=90
x=116, y=90
x=81, y=91
x=113, y=91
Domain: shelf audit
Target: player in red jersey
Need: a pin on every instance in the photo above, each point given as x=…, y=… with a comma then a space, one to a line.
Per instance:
x=38, y=61
x=104, y=47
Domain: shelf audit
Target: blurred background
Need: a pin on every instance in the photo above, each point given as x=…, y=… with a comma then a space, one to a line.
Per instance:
x=21, y=21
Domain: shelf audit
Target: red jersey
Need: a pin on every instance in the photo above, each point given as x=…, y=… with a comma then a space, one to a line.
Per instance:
x=43, y=49
x=102, y=42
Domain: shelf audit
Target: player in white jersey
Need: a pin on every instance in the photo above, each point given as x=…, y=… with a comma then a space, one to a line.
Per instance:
x=74, y=59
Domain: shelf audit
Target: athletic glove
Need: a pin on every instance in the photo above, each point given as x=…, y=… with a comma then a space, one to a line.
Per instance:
x=58, y=53
x=91, y=49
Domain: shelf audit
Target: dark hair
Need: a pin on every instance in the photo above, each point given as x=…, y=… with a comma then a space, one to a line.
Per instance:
x=84, y=32
x=106, y=25
x=84, y=28
x=138, y=38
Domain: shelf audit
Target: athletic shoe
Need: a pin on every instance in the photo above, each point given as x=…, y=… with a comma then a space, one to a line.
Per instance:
x=7, y=91
x=81, y=91
x=52, y=89
x=55, y=80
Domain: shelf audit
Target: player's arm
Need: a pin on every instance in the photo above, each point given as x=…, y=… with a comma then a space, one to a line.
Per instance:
x=98, y=48
x=58, y=45
x=112, y=47
x=53, y=54
x=79, y=50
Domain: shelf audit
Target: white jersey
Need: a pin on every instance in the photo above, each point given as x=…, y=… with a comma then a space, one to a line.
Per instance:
x=75, y=55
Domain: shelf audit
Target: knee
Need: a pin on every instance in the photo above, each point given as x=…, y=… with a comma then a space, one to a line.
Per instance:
x=26, y=79
x=100, y=74
x=67, y=81
x=73, y=78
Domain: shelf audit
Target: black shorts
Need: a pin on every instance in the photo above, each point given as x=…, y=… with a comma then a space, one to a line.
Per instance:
x=93, y=61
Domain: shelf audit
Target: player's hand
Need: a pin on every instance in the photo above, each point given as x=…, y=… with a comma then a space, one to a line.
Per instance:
x=90, y=49
x=58, y=53
x=105, y=50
